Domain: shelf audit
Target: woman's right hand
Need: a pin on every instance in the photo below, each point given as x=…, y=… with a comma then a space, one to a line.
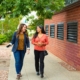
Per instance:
x=10, y=44
x=39, y=44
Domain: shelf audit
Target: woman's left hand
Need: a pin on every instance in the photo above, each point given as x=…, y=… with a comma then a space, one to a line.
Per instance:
x=28, y=51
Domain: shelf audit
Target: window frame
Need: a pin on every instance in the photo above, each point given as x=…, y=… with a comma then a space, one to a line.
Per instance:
x=58, y=37
x=52, y=25
x=69, y=33
x=70, y=2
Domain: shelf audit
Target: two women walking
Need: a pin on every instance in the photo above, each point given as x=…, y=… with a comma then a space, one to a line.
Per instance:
x=21, y=45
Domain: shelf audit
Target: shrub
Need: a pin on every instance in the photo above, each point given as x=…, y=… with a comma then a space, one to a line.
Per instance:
x=9, y=35
x=3, y=38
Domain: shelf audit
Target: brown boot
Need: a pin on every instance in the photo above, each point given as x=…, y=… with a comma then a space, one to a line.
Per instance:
x=18, y=77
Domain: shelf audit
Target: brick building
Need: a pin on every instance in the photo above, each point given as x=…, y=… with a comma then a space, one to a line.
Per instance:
x=63, y=31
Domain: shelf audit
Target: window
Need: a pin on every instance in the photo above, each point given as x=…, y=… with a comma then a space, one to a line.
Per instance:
x=72, y=30
x=60, y=31
x=68, y=2
x=52, y=30
x=46, y=29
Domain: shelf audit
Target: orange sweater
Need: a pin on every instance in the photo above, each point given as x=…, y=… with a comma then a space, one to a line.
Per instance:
x=43, y=39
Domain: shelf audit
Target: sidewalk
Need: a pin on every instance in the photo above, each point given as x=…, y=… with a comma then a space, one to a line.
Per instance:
x=53, y=69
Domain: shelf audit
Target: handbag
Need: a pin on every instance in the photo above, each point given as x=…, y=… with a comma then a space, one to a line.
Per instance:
x=45, y=53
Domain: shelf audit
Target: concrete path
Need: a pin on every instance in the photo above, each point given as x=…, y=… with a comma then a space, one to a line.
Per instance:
x=53, y=69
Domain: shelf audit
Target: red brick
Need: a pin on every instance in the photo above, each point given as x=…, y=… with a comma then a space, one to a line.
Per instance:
x=67, y=51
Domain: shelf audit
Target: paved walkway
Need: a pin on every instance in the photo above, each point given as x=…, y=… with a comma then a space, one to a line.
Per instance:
x=53, y=69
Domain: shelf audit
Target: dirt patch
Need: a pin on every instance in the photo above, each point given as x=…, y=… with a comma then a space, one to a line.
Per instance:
x=5, y=54
x=67, y=66
x=4, y=64
x=3, y=75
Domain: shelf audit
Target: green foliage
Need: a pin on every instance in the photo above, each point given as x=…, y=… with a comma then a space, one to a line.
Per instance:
x=3, y=38
x=9, y=35
x=15, y=8
x=44, y=8
x=9, y=26
x=34, y=23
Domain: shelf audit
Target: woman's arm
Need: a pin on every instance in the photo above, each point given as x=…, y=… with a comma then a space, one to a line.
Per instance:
x=46, y=42
x=33, y=41
x=28, y=43
x=13, y=38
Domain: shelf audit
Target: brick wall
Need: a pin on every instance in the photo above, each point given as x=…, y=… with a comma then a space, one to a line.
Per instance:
x=67, y=51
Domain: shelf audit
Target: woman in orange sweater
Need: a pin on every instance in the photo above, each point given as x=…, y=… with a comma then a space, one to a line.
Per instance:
x=39, y=40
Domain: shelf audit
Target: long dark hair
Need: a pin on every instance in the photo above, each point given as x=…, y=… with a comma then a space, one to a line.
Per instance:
x=42, y=30
x=19, y=30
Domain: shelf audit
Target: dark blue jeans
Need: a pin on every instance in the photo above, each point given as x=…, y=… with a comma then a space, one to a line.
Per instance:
x=19, y=57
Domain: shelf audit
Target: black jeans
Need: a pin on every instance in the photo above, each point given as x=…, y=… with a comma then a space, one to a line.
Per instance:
x=39, y=60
